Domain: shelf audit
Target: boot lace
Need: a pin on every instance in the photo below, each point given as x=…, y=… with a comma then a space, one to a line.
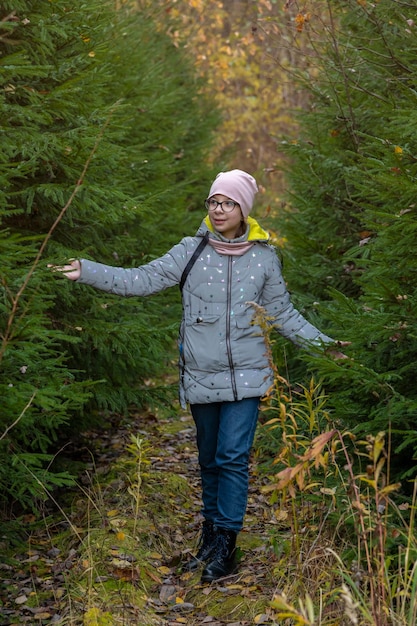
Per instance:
x=221, y=548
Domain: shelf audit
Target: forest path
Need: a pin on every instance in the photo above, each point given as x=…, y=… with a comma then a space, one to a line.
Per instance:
x=239, y=600
x=112, y=552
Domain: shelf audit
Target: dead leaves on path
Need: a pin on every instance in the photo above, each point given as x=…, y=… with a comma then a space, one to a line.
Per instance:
x=33, y=575
x=36, y=586
x=181, y=601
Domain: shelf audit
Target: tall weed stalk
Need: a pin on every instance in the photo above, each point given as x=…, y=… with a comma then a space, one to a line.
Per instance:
x=353, y=544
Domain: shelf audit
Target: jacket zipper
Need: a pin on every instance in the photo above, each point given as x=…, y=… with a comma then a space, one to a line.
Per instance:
x=228, y=324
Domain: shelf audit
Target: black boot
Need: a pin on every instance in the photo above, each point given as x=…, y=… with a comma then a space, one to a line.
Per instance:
x=206, y=546
x=223, y=561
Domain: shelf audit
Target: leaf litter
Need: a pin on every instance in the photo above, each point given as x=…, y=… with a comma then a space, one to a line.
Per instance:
x=80, y=564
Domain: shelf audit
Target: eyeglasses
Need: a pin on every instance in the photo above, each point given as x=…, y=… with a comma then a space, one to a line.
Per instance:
x=226, y=206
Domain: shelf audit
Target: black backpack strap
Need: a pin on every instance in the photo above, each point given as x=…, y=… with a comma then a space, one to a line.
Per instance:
x=193, y=259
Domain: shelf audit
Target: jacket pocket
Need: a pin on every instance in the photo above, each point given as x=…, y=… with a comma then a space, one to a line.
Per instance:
x=249, y=349
x=201, y=342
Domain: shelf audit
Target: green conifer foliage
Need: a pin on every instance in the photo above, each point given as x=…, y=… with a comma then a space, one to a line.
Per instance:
x=353, y=230
x=104, y=136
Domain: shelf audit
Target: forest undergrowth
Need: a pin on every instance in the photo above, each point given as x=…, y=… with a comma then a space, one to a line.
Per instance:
x=110, y=552
x=322, y=544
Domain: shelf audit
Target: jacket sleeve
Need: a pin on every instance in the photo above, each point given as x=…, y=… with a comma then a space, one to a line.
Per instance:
x=145, y=280
x=287, y=320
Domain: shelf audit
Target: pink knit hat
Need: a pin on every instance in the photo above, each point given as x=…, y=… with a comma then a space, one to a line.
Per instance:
x=238, y=186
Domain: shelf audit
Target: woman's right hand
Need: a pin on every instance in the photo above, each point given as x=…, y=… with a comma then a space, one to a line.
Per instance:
x=71, y=271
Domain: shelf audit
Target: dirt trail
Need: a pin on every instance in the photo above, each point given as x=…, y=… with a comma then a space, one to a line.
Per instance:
x=38, y=576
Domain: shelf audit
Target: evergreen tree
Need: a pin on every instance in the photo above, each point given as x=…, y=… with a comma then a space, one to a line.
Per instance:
x=104, y=135
x=352, y=228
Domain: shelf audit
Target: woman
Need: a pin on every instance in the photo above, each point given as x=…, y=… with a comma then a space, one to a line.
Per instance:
x=224, y=369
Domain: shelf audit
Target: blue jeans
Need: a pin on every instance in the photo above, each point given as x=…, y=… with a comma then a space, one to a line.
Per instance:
x=225, y=432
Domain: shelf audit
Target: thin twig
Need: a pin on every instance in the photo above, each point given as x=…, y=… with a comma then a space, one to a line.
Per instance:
x=17, y=420
x=77, y=187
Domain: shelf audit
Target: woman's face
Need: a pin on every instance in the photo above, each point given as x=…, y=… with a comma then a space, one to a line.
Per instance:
x=227, y=224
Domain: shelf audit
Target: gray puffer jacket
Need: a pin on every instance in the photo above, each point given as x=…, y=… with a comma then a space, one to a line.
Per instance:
x=222, y=355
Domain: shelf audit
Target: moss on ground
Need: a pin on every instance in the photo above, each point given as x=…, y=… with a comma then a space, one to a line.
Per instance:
x=113, y=555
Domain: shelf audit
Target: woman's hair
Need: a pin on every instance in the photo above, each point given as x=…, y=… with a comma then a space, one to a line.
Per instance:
x=242, y=228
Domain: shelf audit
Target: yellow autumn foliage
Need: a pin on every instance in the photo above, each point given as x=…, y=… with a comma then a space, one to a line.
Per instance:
x=249, y=53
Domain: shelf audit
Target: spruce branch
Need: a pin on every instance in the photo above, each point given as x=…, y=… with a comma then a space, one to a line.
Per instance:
x=48, y=493
x=15, y=300
x=11, y=17
x=351, y=127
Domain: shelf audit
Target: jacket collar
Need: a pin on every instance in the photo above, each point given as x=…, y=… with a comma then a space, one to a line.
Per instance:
x=254, y=232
